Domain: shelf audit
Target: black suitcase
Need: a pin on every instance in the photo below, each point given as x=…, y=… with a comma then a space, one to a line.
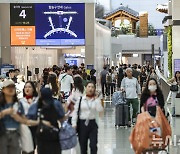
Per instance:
x=122, y=115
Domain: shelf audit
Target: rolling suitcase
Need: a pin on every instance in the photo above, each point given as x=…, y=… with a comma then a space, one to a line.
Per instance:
x=122, y=115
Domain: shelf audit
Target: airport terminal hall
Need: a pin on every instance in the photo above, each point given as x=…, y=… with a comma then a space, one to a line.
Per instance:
x=89, y=76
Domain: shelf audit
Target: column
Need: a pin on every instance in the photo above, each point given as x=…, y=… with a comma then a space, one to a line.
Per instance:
x=5, y=33
x=175, y=31
x=90, y=34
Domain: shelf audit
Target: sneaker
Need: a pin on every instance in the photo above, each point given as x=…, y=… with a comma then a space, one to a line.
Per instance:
x=129, y=124
x=134, y=120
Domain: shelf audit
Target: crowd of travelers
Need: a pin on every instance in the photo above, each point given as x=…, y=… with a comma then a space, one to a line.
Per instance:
x=69, y=94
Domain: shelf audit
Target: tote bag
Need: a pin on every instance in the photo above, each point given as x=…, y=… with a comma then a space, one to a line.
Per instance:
x=26, y=139
x=67, y=136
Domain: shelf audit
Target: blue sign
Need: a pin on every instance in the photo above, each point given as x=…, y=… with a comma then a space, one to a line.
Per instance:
x=176, y=65
x=5, y=68
x=60, y=24
x=72, y=62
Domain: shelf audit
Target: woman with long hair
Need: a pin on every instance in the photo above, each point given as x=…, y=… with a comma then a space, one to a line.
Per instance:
x=30, y=97
x=77, y=92
x=174, y=81
x=53, y=85
x=88, y=105
x=51, y=111
x=11, y=116
x=151, y=97
x=152, y=74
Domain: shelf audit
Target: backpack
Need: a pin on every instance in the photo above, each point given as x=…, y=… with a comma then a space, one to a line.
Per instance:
x=109, y=78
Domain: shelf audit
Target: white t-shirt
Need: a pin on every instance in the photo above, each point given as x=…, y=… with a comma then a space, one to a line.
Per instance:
x=131, y=87
x=65, y=80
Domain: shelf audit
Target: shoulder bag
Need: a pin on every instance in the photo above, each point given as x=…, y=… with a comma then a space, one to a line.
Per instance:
x=78, y=114
x=2, y=126
x=45, y=132
x=174, y=88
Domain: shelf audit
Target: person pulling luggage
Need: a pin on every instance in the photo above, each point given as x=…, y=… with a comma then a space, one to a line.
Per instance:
x=131, y=86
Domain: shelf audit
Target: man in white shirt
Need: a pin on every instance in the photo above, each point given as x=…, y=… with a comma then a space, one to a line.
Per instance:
x=66, y=81
x=131, y=86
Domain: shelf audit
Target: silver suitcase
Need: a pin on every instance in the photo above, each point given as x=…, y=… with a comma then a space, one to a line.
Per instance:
x=122, y=115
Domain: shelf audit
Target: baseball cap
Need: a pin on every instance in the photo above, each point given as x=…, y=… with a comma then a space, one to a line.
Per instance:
x=7, y=83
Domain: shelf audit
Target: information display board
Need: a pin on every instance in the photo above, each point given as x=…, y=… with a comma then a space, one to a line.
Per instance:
x=176, y=65
x=47, y=24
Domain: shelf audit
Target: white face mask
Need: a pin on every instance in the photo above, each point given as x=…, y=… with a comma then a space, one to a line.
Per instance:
x=152, y=88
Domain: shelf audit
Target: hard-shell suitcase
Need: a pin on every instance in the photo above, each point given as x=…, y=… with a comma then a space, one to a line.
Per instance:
x=122, y=115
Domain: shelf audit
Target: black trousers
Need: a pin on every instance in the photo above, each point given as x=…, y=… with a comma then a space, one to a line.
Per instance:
x=88, y=132
x=104, y=87
x=111, y=88
x=46, y=147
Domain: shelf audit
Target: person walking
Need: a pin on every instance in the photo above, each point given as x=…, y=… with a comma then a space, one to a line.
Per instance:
x=11, y=116
x=142, y=77
x=176, y=82
x=152, y=74
x=136, y=73
x=77, y=92
x=151, y=97
x=131, y=86
x=88, y=106
x=120, y=77
x=51, y=111
x=92, y=75
x=66, y=81
x=30, y=97
x=103, y=80
x=53, y=85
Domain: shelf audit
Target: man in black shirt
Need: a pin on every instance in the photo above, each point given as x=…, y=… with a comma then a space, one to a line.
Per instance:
x=103, y=80
x=12, y=75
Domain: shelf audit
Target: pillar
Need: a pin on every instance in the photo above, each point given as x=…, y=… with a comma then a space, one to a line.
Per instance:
x=176, y=32
x=90, y=34
x=5, y=33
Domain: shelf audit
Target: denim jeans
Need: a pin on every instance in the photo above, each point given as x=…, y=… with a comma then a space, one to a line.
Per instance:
x=9, y=143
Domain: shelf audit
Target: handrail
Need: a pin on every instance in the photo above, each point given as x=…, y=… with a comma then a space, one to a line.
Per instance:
x=161, y=76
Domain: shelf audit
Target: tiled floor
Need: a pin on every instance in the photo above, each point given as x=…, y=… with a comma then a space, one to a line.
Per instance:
x=115, y=141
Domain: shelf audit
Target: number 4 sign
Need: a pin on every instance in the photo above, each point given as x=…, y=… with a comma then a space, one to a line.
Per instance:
x=23, y=14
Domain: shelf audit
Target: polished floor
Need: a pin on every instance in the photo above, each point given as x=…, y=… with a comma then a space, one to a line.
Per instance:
x=115, y=140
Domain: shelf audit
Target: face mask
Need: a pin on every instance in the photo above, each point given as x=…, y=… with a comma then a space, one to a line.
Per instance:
x=152, y=88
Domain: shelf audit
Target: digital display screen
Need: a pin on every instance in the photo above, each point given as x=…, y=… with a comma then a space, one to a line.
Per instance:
x=48, y=24
x=72, y=62
x=176, y=65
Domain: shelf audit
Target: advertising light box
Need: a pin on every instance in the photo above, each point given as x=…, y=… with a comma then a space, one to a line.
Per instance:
x=51, y=24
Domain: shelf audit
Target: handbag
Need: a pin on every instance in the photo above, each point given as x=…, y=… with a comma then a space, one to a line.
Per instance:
x=178, y=95
x=78, y=114
x=45, y=132
x=67, y=136
x=26, y=139
x=2, y=128
x=174, y=88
